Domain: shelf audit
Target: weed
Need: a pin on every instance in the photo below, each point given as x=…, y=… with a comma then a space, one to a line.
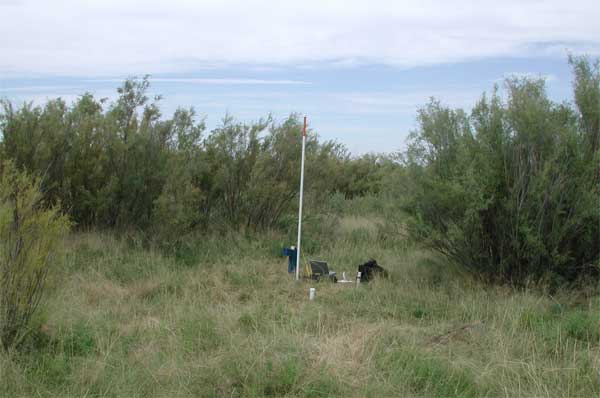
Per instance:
x=582, y=326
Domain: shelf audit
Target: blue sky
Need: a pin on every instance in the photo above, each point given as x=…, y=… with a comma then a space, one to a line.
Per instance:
x=359, y=71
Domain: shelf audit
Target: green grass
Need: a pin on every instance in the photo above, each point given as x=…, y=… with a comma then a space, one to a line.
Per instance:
x=221, y=317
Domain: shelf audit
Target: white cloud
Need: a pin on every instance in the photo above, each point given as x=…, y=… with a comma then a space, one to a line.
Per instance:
x=206, y=81
x=41, y=99
x=107, y=37
x=406, y=102
x=36, y=88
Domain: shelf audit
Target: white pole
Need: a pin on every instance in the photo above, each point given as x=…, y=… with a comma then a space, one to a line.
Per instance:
x=300, y=205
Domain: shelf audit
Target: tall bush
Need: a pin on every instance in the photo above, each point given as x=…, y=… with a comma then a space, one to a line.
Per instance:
x=30, y=234
x=513, y=191
x=124, y=165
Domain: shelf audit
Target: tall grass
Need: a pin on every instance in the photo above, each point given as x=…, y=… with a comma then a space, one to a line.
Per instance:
x=221, y=317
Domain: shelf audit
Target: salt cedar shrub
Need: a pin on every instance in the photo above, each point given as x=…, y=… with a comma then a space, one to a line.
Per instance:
x=125, y=166
x=511, y=192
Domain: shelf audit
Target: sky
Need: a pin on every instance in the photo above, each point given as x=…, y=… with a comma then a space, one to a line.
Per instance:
x=359, y=70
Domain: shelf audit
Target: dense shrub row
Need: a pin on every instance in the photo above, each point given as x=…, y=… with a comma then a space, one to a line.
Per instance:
x=512, y=191
x=123, y=165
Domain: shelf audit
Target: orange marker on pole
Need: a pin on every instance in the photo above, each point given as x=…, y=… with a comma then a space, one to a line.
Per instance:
x=304, y=128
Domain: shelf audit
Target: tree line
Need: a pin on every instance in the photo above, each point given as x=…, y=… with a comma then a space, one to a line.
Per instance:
x=123, y=165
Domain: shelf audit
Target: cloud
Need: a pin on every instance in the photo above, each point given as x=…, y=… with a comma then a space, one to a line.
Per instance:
x=42, y=98
x=406, y=102
x=37, y=88
x=227, y=82
x=110, y=37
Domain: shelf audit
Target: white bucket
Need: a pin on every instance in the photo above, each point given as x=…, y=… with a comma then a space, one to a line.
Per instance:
x=311, y=294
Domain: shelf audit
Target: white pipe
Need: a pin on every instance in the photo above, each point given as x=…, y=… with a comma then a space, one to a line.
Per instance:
x=300, y=205
x=311, y=295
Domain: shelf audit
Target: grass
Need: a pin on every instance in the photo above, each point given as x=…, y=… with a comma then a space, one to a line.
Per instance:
x=221, y=317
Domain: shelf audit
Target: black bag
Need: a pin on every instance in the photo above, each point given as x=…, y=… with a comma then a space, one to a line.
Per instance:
x=370, y=269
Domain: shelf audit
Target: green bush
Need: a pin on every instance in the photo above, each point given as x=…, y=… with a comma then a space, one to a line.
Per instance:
x=122, y=165
x=30, y=235
x=512, y=192
x=79, y=340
